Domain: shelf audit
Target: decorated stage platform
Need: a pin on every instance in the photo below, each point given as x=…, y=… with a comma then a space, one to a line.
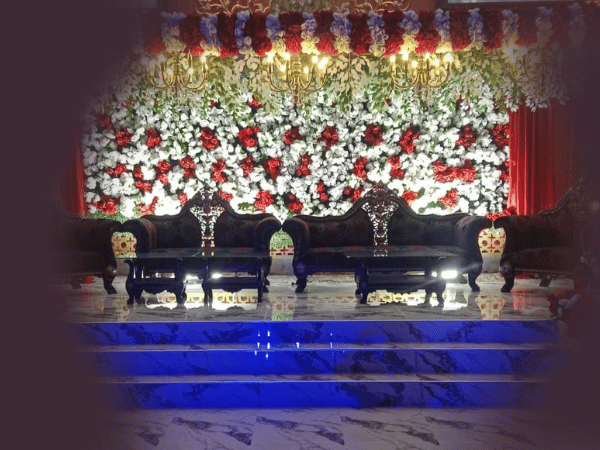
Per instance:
x=320, y=348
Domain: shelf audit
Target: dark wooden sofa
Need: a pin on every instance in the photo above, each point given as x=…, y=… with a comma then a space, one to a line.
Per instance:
x=549, y=243
x=81, y=247
x=382, y=220
x=206, y=221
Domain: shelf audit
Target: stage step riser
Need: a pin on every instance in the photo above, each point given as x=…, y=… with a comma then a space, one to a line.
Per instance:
x=355, y=394
x=277, y=362
x=323, y=332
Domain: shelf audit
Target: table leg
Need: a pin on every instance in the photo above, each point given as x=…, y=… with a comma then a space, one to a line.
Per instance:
x=180, y=283
x=135, y=273
x=261, y=281
x=362, y=278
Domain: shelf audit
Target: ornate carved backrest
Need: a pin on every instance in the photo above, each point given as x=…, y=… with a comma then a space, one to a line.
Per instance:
x=207, y=206
x=577, y=201
x=380, y=203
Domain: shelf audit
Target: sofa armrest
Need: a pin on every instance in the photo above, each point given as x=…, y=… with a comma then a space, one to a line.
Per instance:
x=144, y=231
x=96, y=234
x=264, y=231
x=466, y=235
x=520, y=232
x=299, y=232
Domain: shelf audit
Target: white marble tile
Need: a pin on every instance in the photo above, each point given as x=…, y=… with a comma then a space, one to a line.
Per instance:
x=298, y=429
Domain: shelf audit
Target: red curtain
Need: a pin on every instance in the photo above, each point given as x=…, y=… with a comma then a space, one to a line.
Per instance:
x=72, y=184
x=541, y=157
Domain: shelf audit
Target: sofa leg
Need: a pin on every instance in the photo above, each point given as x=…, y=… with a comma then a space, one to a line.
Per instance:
x=509, y=282
x=472, y=281
x=301, y=283
x=545, y=281
x=110, y=272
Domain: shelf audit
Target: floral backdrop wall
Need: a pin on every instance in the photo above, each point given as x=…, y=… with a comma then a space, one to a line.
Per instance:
x=147, y=154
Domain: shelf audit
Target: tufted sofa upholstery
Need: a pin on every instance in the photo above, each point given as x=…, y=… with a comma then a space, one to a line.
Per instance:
x=549, y=243
x=185, y=230
x=80, y=247
x=319, y=240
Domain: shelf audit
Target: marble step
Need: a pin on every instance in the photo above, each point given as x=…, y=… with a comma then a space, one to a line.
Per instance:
x=390, y=358
x=326, y=390
x=322, y=332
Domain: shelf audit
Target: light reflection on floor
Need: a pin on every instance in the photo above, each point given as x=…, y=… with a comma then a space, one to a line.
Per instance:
x=327, y=297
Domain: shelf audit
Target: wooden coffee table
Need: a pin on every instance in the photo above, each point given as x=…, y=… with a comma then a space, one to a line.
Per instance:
x=392, y=268
x=214, y=266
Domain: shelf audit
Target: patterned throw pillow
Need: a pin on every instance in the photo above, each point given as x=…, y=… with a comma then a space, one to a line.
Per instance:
x=123, y=245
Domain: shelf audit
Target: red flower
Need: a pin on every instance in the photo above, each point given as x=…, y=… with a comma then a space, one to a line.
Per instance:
x=147, y=209
x=117, y=171
x=396, y=171
x=208, y=138
x=190, y=34
x=104, y=121
x=450, y=200
x=272, y=167
x=137, y=172
x=505, y=175
x=190, y=167
x=226, y=196
x=123, y=138
x=507, y=212
x=247, y=165
x=143, y=186
x=155, y=47
x=323, y=32
x=466, y=173
x=428, y=36
x=394, y=32
x=356, y=194
x=466, y=136
x=153, y=138
x=256, y=29
x=527, y=28
x=500, y=135
x=248, y=137
x=407, y=140
x=321, y=191
x=291, y=135
x=254, y=104
x=226, y=34
x=291, y=25
x=213, y=103
x=107, y=205
x=410, y=196
x=295, y=205
x=162, y=167
x=492, y=25
x=303, y=170
x=360, y=36
x=373, y=135
x=359, y=168
x=459, y=28
x=183, y=198
x=263, y=199
x=329, y=137
x=218, y=168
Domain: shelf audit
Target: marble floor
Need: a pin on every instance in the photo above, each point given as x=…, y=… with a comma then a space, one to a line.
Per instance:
x=347, y=429
x=326, y=297
x=331, y=297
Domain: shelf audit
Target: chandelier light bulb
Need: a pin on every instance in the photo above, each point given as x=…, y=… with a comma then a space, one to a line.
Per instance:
x=282, y=67
x=427, y=55
x=191, y=71
x=270, y=58
x=286, y=56
x=404, y=56
x=203, y=59
x=414, y=64
x=323, y=62
x=448, y=58
x=436, y=62
x=393, y=59
x=306, y=70
x=315, y=59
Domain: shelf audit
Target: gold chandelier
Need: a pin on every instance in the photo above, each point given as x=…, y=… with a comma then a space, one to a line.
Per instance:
x=299, y=74
x=421, y=70
x=176, y=72
x=536, y=65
